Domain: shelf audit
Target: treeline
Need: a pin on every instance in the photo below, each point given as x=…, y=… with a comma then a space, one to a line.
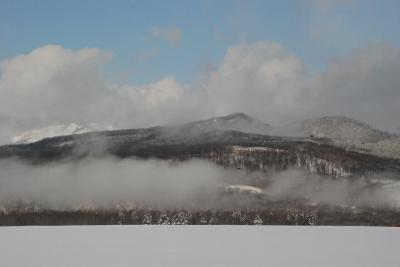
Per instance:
x=281, y=216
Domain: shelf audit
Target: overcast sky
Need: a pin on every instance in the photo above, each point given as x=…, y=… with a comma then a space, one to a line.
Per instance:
x=142, y=63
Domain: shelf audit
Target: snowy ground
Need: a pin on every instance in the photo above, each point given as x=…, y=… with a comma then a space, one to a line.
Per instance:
x=199, y=246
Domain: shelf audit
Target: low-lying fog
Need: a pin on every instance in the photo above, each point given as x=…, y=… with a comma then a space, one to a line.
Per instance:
x=166, y=184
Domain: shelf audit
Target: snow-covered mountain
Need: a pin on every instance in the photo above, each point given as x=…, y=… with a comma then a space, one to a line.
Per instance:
x=234, y=122
x=346, y=132
x=56, y=130
x=338, y=128
x=389, y=147
x=343, y=131
x=214, y=140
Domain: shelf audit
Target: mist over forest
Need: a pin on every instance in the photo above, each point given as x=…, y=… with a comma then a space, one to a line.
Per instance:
x=191, y=184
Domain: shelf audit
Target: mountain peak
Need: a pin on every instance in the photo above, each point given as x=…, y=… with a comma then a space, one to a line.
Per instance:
x=238, y=115
x=236, y=122
x=338, y=128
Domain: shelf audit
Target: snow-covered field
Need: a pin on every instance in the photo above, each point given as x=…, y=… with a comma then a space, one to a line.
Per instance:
x=199, y=246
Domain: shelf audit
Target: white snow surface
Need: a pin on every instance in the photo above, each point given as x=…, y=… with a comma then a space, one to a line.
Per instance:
x=244, y=189
x=57, y=130
x=231, y=246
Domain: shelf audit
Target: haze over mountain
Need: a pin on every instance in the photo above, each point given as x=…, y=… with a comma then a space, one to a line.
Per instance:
x=343, y=131
x=235, y=122
x=346, y=132
x=338, y=128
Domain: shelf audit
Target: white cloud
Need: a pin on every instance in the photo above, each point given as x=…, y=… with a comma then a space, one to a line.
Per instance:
x=262, y=79
x=53, y=85
x=154, y=93
x=172, y=35
x=265, y=80
x=364, y=85
x=161, y=102
x=50, y=84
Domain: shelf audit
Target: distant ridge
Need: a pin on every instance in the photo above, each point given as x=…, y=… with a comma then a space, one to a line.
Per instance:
x=235, y=122
x=342, y=131
x=338, y=128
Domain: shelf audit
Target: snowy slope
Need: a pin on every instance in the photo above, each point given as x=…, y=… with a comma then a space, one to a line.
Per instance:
x=199, y=246
x=56, y=130
x=341, y=129
x=346, y=132
x=389, y=147
x=236, y=122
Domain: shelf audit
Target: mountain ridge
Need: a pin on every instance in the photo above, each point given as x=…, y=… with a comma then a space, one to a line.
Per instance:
x=38, y=134
x=234, y=122
x=342, y=131
x=339, y=128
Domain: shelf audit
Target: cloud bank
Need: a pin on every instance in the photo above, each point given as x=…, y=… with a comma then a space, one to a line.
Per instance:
x=55, y=85
x=193, y=184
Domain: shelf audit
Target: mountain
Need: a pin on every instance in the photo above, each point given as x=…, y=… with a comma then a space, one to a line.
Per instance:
x=344, y=132
x=340, y=129
x=56, y=130
x=234, y=122
x=257, y=164
x=389, y=147
x=212, y=140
